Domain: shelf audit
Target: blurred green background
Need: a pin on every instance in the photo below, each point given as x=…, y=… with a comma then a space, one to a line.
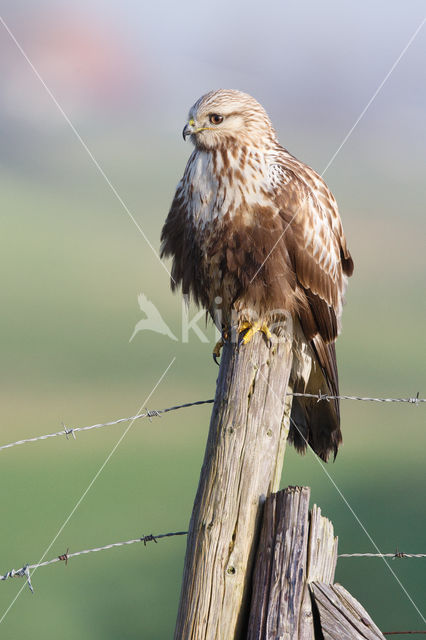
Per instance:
x=73, y=264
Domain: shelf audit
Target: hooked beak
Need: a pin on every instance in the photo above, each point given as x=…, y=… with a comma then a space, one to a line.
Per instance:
x=187, y=130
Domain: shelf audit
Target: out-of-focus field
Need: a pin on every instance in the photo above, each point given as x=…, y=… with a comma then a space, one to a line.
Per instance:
x=73, y=264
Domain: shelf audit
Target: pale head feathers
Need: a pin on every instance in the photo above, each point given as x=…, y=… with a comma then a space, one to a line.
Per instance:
x=241, y=120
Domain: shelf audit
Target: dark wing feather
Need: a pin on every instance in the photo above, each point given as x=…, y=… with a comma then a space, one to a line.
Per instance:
x=177, y=241
x=313, y=234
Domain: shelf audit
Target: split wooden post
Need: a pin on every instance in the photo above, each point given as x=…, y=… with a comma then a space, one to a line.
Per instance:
x=242, y=466
x=293, y=596
x=280, y=569
x=342, y=617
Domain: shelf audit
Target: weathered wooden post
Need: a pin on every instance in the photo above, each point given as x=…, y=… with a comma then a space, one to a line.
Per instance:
x=280, y=570
x=242, y=465
x=240, y=582
x=293, y=596
x=294, y=550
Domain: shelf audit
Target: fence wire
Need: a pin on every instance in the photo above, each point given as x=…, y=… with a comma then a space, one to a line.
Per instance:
x=24, y=571
x=397, y=554
x=320, y=397
x=402, y=633
x=323, y=396
x=73, y=430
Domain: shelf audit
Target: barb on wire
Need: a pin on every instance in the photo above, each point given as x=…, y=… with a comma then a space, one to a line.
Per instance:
x=323, y=396
x=20, y=573
x=157, y=413
x=64, y=557
x=396, y=554
x=66, y=432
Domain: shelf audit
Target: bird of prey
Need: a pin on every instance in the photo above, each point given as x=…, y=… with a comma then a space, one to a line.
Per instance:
x=254, y=230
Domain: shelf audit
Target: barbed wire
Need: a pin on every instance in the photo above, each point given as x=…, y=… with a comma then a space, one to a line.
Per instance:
x=323, y=396
x=158, y=412
x=24, y=571
x=72, y=431
x=64, y=557
x=397, y=554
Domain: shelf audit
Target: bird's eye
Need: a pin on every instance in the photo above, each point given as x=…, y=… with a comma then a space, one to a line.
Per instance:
x=215, y=118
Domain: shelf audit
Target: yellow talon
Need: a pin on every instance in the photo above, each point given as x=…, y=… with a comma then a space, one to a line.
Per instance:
x=244, y=326
x=217, y=349
x=266, y=332
x=251, y=328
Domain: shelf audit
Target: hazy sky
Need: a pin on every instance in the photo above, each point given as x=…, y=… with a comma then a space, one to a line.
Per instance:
x=300, y=58
x=129, y=71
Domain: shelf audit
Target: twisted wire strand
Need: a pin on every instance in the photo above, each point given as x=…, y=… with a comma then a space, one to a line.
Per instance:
x=397, y=554
x=72, y=431
x=25, y=570
x=402, y=633
x=158, y=412
x=323, y=396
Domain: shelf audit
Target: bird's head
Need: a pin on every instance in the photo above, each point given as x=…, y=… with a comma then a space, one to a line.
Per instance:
x=225, y=117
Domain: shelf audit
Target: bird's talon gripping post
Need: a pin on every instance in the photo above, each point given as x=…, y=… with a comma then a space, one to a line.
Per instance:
x=247, y=330
x=244, y=330
x=218, y=346
x=216, y=351
x=267, y=333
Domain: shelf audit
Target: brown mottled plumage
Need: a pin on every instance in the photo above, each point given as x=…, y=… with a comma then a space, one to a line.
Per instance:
x=251, y=227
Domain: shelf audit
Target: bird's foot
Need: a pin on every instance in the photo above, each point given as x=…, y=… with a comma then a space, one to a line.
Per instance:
x=217, y=349
x=246, y=331
x=218, y=346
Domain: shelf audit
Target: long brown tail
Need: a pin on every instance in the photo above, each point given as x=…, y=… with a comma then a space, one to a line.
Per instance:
x=317, y=423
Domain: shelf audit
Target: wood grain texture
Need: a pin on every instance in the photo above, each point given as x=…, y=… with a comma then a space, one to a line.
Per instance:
x=342, y=617
x=293, y=550
x=280, y=571
x=322, y=550
x=321, y=565
x=242, y=465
